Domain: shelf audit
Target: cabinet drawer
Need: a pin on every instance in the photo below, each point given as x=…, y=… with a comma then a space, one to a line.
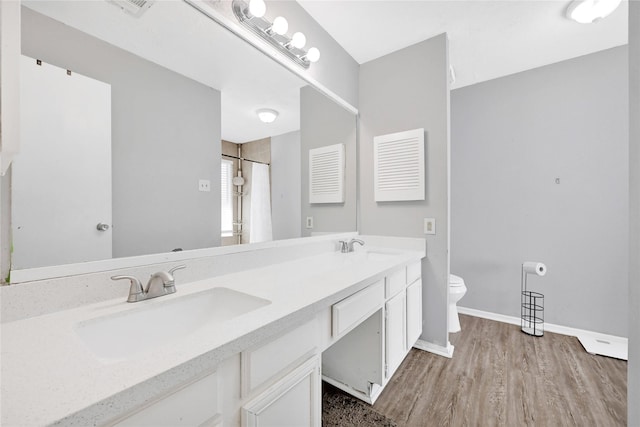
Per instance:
x=395, y=282
x=194, y=405
x=414, y=272
x=264, y=362
x=354, y=309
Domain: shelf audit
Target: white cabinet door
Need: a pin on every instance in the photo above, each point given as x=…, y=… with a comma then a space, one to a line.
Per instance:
x=292, y=401
x=395, y=336
x=414, y=312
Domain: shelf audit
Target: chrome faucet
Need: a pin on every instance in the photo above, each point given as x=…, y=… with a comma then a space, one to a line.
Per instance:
x=160, y=283
x=346, y=247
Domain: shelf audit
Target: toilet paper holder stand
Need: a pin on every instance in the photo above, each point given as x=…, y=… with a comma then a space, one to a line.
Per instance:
x=531, y=308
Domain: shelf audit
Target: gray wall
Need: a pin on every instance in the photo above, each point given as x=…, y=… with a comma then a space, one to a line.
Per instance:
x=285, y=186
x=322, y=123
x=633, y=384
x=165, y=137
x=510, y=139
x=405, y=90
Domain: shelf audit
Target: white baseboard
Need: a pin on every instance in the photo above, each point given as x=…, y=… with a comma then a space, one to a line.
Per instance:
x=435, y=349
x=593, y=342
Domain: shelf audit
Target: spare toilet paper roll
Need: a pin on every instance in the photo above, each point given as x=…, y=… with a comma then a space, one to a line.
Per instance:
x=531, y=267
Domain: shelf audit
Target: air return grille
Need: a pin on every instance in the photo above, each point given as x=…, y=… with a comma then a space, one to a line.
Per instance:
x=399, y=166
x=326, y=174
x=133, y=7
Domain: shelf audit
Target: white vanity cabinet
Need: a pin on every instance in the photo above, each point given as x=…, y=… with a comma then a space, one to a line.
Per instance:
x=281, y=383
x=395, y=335
x=384, y=322
x=414, y=312
x=195, y=404
x=295, y=400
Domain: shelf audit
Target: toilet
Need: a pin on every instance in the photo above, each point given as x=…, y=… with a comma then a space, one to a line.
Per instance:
x=457, y=289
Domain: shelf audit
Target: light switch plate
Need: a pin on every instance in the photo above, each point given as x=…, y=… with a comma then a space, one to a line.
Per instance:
x=204, y=185
x=429, y=226
x=309, y=222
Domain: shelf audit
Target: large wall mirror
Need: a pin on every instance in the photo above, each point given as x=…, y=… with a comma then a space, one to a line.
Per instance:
x=171, y=156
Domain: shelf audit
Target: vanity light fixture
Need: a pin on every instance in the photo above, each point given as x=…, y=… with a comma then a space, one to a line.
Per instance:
x=251, y=15
x=267, y=115
x=257, y=8
x=589, y=11
x=280, y=26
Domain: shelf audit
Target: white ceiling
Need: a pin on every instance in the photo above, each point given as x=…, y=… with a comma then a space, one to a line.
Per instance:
x=176, y=36
x=487, y=39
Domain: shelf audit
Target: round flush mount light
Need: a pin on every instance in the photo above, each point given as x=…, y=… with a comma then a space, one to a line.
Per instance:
x=267, y=115
x=280, y=25
x=588, y=11
x=257, y=8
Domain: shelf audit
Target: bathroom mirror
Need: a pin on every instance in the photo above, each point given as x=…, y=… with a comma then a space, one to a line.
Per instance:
x=180, y=84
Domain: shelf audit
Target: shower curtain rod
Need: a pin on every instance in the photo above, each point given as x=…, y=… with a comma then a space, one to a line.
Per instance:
x=247, y=160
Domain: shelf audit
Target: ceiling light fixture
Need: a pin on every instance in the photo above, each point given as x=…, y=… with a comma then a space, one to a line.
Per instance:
x=251, y=15
x=267, y=115
x=588, y=11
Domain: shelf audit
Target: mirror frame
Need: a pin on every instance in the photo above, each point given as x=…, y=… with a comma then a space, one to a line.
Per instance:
x=58, y=271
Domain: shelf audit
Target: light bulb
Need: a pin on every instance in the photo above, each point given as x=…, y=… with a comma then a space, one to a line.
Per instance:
x=313, y=54
x=257, y=8
x=298, y=40
x=280, y=25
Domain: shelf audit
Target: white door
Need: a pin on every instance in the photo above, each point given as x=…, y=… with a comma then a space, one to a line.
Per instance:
x=395, y=335
x=61, y=179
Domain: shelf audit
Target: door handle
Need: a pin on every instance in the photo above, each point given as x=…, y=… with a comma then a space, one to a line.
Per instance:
x=102, y=227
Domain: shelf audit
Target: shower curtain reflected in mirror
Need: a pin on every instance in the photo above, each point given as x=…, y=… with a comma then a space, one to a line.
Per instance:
x=260, y=210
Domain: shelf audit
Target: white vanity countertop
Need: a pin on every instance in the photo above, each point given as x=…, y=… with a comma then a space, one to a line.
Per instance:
x=49, y=375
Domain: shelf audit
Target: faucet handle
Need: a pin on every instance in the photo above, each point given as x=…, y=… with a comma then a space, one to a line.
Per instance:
x=179, y=267
x=135, y=289
x=344, y=246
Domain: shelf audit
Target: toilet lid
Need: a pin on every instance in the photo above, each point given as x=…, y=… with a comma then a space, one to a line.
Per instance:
x=455, y=280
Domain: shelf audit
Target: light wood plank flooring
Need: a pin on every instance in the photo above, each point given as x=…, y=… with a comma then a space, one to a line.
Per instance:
x=500, y=376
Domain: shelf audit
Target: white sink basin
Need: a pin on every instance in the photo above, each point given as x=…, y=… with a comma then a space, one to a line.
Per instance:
x=155, y=322
x=366, y=255
x=374, y=255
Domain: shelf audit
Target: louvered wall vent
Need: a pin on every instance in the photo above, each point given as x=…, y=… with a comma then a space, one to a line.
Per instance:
x=133, y=7
x=398, y=164
x=326, y=174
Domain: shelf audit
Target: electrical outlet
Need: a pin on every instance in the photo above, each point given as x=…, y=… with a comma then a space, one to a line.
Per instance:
x=204, y=185
x=429, y=226
x=309, y=222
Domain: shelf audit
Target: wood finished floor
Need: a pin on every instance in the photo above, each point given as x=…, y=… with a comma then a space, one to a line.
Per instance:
x=500, y=376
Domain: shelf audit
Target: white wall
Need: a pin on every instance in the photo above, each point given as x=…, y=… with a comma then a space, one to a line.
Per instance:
x=165, y=137
x=405, y=90
x=633, y=383
x=511, y=138
x=285, y=186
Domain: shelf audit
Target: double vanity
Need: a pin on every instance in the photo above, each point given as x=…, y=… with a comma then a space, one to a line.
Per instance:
x=245, y=340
